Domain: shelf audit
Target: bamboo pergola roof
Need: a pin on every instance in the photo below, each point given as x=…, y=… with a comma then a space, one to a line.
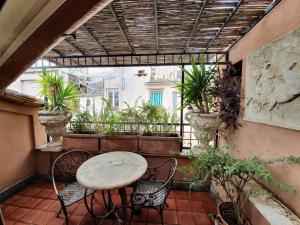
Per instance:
x=153, y=27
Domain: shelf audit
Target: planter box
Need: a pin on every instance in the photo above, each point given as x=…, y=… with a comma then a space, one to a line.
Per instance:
x=88, y=142
x=153, y=145
x=160, y=145
x=128, y=143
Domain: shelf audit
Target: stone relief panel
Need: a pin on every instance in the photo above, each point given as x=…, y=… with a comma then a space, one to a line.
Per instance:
x=273, y=83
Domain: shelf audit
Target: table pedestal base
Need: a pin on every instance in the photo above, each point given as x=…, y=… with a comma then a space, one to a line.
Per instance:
x=111, y=209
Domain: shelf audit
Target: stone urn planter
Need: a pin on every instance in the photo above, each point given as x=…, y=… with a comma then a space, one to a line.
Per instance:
x=55, y=124
x=205, y=127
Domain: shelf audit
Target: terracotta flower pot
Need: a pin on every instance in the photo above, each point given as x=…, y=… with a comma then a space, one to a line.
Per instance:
x=205, y=126
x=225, y=209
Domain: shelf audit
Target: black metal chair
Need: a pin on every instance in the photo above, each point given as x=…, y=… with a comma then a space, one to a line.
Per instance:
x=152, y=190
x=64, y=171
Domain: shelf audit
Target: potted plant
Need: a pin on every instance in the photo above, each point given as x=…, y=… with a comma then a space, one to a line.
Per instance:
x=235, y=176
x=158, y=133
x=115, y=135
x=199, y=97
x=57, y=113
x=82, y=135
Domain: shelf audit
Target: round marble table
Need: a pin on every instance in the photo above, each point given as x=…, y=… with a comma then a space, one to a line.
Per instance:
x=112, y=170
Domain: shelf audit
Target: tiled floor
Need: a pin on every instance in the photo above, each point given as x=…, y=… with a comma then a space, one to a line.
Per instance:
x=37, y=204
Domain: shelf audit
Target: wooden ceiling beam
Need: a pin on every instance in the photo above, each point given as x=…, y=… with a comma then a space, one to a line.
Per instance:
x=121, y=29
x=225, y=23
x=199, y=16
x=68, y=17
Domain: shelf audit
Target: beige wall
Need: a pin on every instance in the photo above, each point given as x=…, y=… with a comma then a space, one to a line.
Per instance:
x=255, y=138
x=20, y=132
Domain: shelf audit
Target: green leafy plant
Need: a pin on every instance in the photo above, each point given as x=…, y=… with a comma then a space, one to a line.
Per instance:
x=197, y=86
x=82, y=123
x=233, y=175
x=143, y=119
x=60, y=96
x=108, y=121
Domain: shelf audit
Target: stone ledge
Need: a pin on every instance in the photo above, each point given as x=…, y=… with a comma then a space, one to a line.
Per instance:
x=274, y=212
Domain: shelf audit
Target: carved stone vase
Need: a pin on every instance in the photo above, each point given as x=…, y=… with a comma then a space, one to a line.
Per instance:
x=205, y=127
x=55, y=124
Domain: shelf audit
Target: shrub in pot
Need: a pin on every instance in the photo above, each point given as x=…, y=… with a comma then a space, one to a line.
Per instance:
x=234, y=175
x=116, y=133
x=158, y=133
x=57, y=113
x=82, y=124
x=199, y=96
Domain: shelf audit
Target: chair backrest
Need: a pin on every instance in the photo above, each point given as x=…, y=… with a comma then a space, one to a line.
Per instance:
x=66, y=165
x=164, y=172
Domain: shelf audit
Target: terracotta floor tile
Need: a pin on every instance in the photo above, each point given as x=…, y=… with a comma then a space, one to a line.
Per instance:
x=45, y=204
x=181, y=195
x=12, y=199
x=44, y=218
x=210, y=208
x=31, y=216
x=52, y=196
x=31, y=191
x=183, y=210
x=10, y=222
x=80, y=210
x=8, y=210
x=44, y=193
x=87, y=221
x=19, y=213
x=33, y=202
x=55, y=207
x=170, y=217
x=57, y=221
x=99, y=209
x=183, y=205
x=171, y=204
x=75, y=220
x=201, y=219
x=153, y=216
x=186, y=218
x=201, y=196
x=171, y=194
x=73, y=207
x=197, y=206
x=116, y=199
x=22, y=202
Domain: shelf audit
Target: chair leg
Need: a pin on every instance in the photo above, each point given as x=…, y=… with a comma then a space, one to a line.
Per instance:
x=59, y=212
x=66, y=215
x=161, y=217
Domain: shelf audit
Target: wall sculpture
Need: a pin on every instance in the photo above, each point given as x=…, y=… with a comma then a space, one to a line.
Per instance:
x=273, y=83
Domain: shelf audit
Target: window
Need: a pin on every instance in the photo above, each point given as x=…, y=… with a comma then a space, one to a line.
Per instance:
x=113, y=96
x=174, y=100
x=156, y=98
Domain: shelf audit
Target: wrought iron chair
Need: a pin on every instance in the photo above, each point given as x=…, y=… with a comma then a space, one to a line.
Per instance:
x=153, y=190
x=64, y=170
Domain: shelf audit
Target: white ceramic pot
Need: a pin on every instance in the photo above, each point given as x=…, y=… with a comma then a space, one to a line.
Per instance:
x=55, y=124
x=205, y=127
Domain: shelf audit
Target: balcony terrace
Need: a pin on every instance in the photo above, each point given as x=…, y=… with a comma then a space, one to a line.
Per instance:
x=259, y=39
